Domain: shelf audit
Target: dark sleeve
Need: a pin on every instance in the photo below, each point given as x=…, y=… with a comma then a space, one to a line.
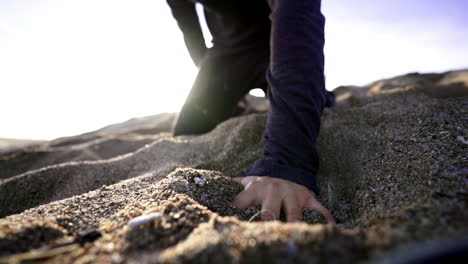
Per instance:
x=186, y=16
x=297, y=93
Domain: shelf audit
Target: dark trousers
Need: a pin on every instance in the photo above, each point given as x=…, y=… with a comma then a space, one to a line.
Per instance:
x=296, y=89
x=221, y=82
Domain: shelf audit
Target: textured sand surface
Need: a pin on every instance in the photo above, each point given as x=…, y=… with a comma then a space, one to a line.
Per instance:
x=393, y=173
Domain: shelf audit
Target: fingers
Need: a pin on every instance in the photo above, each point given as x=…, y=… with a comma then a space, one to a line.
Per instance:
x=248, y=196
x=292, y=209
x=313, y=204
x=274, y=193
x=271, y=207
x=244, y=199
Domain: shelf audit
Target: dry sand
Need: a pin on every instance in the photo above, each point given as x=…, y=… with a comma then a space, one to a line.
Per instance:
x=393, y=172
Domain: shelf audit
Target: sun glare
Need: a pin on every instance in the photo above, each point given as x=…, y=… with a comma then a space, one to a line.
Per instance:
x=257, y=92
x=68, y=67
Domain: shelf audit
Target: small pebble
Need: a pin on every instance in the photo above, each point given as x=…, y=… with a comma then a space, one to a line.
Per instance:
x=462, y=140
x=199, y=181
x=143, y=219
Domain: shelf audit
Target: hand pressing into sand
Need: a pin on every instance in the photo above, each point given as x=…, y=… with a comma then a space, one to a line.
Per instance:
x=274, y=194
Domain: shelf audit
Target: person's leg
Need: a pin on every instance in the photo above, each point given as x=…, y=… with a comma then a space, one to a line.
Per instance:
x=203, y=108
x=230, y=8
x=221, y=82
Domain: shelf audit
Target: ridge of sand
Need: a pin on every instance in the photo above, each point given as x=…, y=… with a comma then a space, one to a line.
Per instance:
x=393, y=172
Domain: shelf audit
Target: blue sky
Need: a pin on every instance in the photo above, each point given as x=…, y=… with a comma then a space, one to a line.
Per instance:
x=376, y=11
x=367, y=39
x=70, y=66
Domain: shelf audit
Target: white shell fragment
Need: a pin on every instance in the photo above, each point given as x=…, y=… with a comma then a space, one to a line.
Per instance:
x=143, y=219
x=199, y=181
x=462, y=140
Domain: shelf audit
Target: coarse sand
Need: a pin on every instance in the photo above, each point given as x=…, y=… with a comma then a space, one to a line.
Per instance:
x=393, y=172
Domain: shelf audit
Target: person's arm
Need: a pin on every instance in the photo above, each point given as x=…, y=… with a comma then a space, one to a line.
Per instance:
x=297, y=97
x=186, y=16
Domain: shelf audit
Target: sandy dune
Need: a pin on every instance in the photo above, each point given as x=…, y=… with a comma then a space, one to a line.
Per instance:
x=393, y=172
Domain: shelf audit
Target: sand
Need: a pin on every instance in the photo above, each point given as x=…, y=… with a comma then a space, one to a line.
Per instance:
x=393, y=173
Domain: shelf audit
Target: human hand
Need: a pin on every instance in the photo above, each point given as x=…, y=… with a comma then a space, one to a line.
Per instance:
x=274, y=194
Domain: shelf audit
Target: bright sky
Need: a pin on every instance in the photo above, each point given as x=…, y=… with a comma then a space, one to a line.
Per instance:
x=71, y=66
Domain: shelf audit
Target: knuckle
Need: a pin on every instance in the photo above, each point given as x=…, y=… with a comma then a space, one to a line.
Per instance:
x=255, y=183
x=295, y=219
x=294, y=211
x=273, y=186
x=294, y=214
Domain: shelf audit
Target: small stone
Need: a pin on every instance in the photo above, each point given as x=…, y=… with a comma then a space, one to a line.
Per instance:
x=199, y=181
x=462, y=140
x=143, y=219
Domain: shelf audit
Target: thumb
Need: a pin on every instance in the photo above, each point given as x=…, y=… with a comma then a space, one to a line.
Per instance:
x=244, y=199
x=244, y=180
x=238, y=179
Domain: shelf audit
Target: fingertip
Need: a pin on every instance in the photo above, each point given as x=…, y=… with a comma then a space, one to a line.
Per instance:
x=294, y=219
x=235, y=203
x=316, y=205
x=330, y=218
x=268, y=215
x=327, y=214
x=243, y=200
x=293, y=210
x=239, y=204
x=271, y=208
